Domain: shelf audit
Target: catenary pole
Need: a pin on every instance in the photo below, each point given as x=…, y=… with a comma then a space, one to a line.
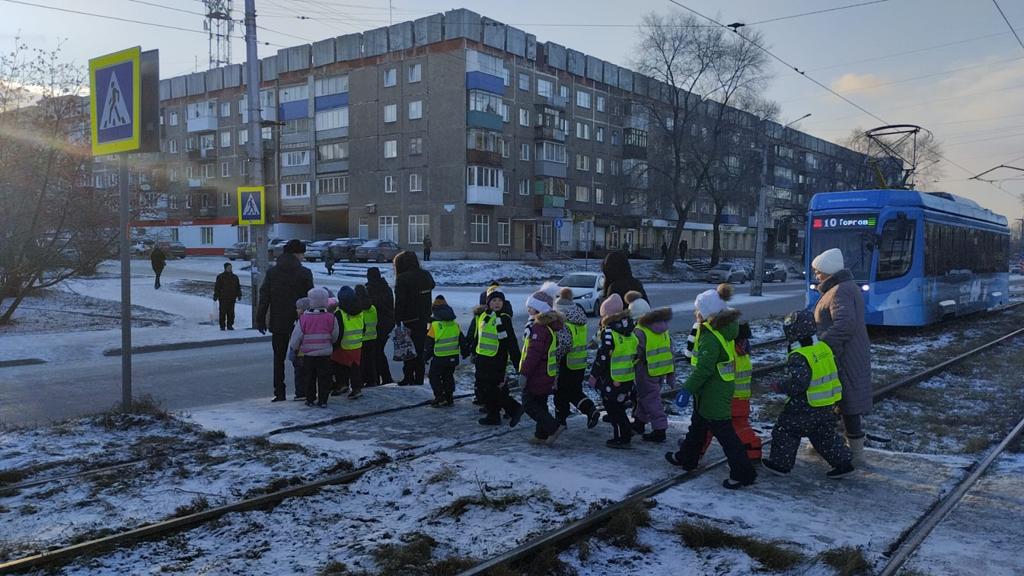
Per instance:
x=259, y=236
x=126, y=286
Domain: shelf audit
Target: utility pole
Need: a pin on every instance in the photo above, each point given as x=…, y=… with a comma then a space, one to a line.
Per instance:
x=259, y=236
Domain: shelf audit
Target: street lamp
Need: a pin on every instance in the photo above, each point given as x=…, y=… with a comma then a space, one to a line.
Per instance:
x=762, y=204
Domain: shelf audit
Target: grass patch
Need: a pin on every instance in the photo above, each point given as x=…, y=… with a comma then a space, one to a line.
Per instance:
x=12, y=476
x=413, y=556
x=976, y=444
x=212, y=435
x=334, y=568
x=547, y=563
x=339, y=467
x=624, y=525
x=583, y=551
x=198, y=504
x=768, y=554
x=445, y=474
x=847, y=561
x=118, y=418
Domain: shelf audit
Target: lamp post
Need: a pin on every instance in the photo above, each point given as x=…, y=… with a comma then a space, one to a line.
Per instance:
x=762, y=205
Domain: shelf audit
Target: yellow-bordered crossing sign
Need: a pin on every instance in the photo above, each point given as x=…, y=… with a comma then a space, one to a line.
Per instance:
x=252, y=205
x=115, y=102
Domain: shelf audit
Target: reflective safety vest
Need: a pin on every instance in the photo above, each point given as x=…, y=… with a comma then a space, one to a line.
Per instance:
x=552, y=367
x=352, y=331
x=370, y=324
x=825, y=388
x=744, y=373
x=577, y=357
x=659, y=352
x=446, y=338
x=727, y=368
x=623, y=357
x=487, y=341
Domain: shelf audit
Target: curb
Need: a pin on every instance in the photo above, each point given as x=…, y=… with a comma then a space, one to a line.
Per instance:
x=188, y=345
x=21, y=362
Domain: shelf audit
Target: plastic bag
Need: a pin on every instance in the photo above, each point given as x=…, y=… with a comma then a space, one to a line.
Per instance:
x=215, y=313
x=404, y=350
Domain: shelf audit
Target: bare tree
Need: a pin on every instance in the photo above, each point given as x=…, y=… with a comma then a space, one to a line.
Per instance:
x=880, y=167
x=705, y=73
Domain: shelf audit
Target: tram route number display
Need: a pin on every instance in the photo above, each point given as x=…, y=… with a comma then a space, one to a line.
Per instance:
x=844, y=222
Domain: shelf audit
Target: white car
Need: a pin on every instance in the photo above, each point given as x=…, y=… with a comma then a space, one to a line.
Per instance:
x=586, y=289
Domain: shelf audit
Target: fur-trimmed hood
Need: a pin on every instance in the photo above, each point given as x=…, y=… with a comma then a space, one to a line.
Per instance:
x=621, y=322
x=551, y=317
x=656, y=320
x=724, y=318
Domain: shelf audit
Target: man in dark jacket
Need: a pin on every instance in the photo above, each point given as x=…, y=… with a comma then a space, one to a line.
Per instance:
x=428, y=245
x=381, y=297
x=158, y=260
x=226, y=291
x=285, y=282
x=413, y=297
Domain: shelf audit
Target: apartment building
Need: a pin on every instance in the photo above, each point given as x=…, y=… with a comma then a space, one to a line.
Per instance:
x=456, y=126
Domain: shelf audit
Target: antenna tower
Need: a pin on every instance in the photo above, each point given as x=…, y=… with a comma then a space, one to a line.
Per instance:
x=219, y=25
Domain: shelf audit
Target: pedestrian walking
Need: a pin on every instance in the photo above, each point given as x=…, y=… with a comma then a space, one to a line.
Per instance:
x=538, y=367
x=573, y=367
x=158, y=260
x=813, y=386
x=613, y=371
x=368, y=356
x=654, y=366
x=682, y=250
x=443, y=344
x=413, y=297
x=383, y=300
x=491, y=341
x=226, y=291
x=428, y=245
x=284, y=283
x=347, y=356
x=664, y=249
x=839, y=316
x=312, y=338
x=538, y=247
x=618, y=277
x=329, y=261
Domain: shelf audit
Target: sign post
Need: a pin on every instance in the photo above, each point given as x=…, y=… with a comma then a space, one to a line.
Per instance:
x=118, y=94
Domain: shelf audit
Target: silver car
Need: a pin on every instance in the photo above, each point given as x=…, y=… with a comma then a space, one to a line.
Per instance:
x=732, y=273
x=317, y=250
x=586, y=289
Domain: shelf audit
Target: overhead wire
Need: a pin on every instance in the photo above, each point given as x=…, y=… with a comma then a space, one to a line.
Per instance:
x=1007, y=20
x=815, y=12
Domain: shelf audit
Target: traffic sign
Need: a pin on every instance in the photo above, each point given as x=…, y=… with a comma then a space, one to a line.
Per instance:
x=252, y=205
x=115, y=102
x=558, y=223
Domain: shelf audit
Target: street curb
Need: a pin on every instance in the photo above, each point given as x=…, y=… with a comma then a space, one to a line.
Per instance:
x=21, y=362
x=188, y=345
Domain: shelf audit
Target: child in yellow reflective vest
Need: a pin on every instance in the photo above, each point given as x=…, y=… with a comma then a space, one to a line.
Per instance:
x=442, y=347
x=347, y=354
x=613, y=371
x=654, y=366
x=368, y=353
x=572, y=369
x=812, y=384
x=538, y=368
x=491, y=341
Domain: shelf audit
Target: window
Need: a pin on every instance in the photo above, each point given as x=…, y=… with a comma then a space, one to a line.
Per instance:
x=615, y=137
x=295, y=189
x=243, y=137
x=545, y=88
x=225, y=109
x=551, y=152
x=504, y=233
x=225, y=199
x=267, y=133
x=599, y=165
x=208, y=171
x=225, y=139
x=599, y=195
x=172, y=175
x=524, y=187
x=293, y=93
x=172, y=146
x=390, y=77
x=415, y=110
x=563, y=91
x=206, y=235
x=389, y=184
x=480, y=229
x=524, y=82
x=415, y=146
x=583, y=99
x=485, y=176
x=206, y=142
x=333, y=118
x=582, y=162
x=600, y=103
x=332, y=185
x=582, y=194
x=188, y=202
x=484, y=102
x=174, y=119
x=188, y=172
x=583, y=130
x=297, y=158
x=225, y=171
x=332, y=151
x=391, y=149
x=613, y=167
x=331, y=85
x=387, y=228
x=599, y=134
x=415, y=183
x=419, y=227
x=524, y=151
x=896, y=249
x=204, y=200
x=172, y=203
x=242, y=167
x=415, y=73
x=951, y=248
x=524, y=117
x=504, y=113
x=390, y=112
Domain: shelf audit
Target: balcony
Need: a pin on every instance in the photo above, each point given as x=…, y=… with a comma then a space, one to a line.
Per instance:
x=549, y=205
x=336, y=199
x=202, y=124
x=477, y=119
x=555, y=101
x=204, y=154
x=484, y=196
x=549, y=133
x=484, y=157
x=549, y=169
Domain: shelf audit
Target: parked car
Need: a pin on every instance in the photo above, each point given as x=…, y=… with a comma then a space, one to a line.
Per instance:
x=276, y=247
x=240, y=250
x=796, y=272
x=172, y=249
x=586, y=289
x=316, y=250
x=774, y=272
x=376, y=250
x=344, y=248
x=733, y=273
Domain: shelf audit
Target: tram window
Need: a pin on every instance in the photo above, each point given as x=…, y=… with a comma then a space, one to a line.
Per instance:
x=949, y=248
x=896, y=249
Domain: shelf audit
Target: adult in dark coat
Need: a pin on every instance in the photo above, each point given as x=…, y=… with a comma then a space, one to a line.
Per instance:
x=413, y=297
x=839, y=316
x=158, y=260
x=381, y=297
x=226, y=291
x=428, y=245
x=682, y=250
x=285, y=282
x=618, y=276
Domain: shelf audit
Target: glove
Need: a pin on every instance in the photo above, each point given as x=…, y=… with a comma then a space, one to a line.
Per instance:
x=291, y=355
x=682, y=399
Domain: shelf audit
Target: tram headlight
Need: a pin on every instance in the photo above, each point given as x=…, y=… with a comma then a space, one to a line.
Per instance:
x=865, y=287
x=813, y=287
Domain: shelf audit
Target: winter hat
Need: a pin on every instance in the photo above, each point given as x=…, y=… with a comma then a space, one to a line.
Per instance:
x=540, y=301
x=564, y=297
x=317, y=298
x=492, y=294
x=439, y=301
x=295, y=246
x=302, y=304
x=631, y=296
x=611, y=305
x=332, y=304
x=551, y=289
x=346, y=294
x=493, y=286
x=709, y=303
x=227, y=265
x=373, y=273
x=638, y=308
x=829, y=262
x=799, y=325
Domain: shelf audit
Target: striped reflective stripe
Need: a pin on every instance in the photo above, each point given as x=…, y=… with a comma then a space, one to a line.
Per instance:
x=744, y=372
x=726, y=369
x=623, y=357
x=352, y=336
x=552, y=363
x=577, y=357
x=486, y=335
x=824, y=389
x=446, y=338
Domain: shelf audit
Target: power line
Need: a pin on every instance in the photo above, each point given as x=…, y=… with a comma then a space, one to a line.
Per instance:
x=780, y=18
x=908, y=52
x=1005, y=19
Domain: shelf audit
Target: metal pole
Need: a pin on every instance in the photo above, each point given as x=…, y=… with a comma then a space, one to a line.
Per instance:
x=126, y=286
x=759, y=241
x=252, y=63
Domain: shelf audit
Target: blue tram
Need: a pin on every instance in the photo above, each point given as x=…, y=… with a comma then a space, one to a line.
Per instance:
x=919, y=257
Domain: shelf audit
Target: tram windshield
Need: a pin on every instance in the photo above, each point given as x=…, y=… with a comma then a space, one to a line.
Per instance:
x=856, y=245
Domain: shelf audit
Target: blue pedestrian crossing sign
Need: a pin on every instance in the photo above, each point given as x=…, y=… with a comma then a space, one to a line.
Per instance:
x=115, y=102
x=558, y=223
x=252, y=205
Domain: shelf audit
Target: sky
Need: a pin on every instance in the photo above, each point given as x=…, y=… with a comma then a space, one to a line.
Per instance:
x=951, y=66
